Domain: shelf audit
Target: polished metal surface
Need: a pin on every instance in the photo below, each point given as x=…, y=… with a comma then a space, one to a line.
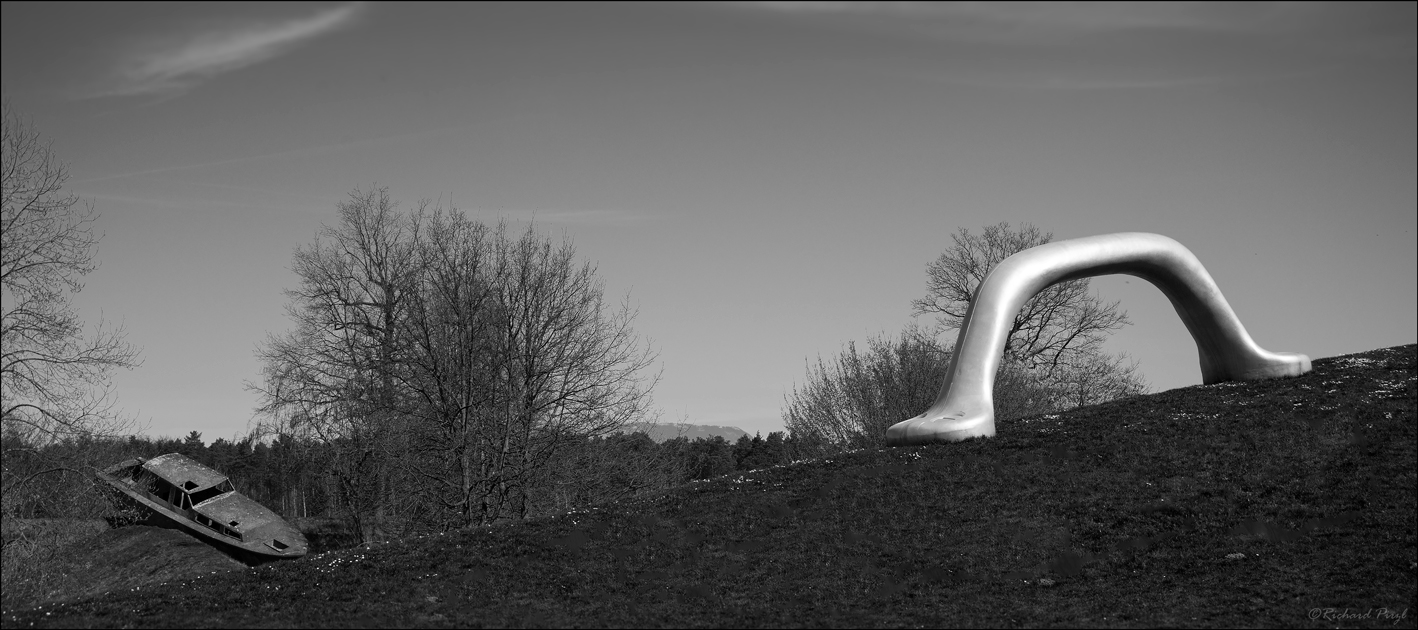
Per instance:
x=965, y=406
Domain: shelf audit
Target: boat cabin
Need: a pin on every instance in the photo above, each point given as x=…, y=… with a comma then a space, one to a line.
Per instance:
x=191, y=489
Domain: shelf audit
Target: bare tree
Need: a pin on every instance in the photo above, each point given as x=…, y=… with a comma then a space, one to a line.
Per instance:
x=446, y=362
x=1056, y=339
x=850, y=402
x=1092, y=378
x=450, y=361
x=568, y=366
x=1061, y=319
x=511, y=358
x=334, y=376
x=55, y=387
x=55, y=380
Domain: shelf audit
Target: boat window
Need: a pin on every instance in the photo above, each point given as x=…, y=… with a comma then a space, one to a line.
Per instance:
x=220, y=529
x=198, y=497
x=162, y=490
x=189, y=486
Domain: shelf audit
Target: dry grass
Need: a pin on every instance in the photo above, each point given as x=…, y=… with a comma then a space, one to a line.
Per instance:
x=67, y=559
x=30, y=570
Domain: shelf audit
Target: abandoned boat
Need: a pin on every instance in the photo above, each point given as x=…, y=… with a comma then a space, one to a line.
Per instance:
x=176, y=492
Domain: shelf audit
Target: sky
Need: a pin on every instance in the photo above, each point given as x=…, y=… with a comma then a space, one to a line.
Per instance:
x=764, y=181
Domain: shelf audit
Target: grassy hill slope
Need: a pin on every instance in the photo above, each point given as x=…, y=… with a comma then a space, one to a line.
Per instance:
x=1237, y=504
x=118, y=559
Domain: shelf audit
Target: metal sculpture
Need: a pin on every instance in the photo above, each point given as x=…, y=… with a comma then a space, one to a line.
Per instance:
x=965, y=406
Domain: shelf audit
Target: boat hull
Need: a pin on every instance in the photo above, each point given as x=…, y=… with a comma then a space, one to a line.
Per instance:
x=264, y=536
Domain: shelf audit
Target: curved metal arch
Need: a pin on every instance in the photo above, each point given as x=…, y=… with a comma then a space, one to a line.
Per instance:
x=965, y=407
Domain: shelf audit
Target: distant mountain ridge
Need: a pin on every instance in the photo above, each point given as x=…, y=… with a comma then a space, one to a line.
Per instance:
x=666, y=431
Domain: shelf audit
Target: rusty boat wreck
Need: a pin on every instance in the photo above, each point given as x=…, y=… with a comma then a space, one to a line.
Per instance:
x=176, y=492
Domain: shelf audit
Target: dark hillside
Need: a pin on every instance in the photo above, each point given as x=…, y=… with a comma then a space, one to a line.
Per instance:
x=123, y=559
x=1273, y=503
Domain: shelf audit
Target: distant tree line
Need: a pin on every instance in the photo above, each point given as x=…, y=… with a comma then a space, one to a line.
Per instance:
x=295, y=478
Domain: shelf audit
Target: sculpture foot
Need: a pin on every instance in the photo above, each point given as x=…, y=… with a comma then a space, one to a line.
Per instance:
x=1270, y=365
x=928, y=428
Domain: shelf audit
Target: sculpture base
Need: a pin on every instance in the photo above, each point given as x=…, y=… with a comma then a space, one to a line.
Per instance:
x=936, y=426
x=1265, y=365
x=929, y=428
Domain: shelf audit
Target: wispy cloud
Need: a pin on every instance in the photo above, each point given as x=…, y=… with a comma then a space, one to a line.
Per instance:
x=1113, y=45
x=1029, y=21
x=1081, y=82
x=171, y=65
x=1353, y=27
